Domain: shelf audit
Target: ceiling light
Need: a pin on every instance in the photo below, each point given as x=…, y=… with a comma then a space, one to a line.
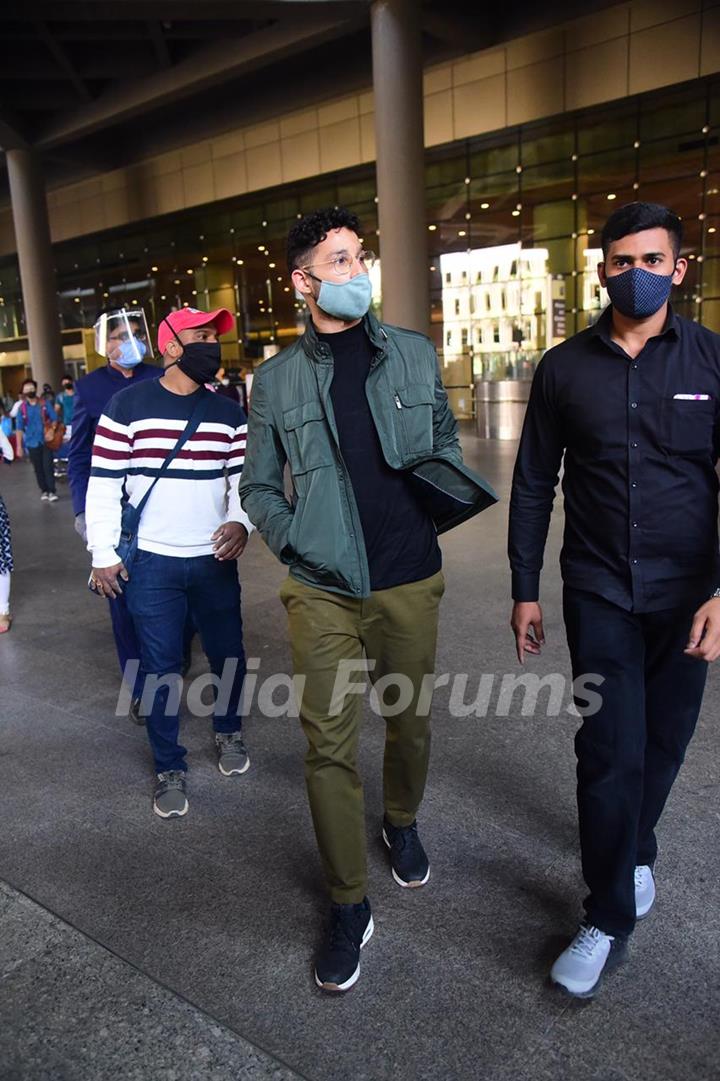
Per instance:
x=240, y=262
x=205, y=258
x=612, y=195
x=467, y=179
x=154, y=269
x=484, y=206
x=188, y=271
x=261, y=247
x=432, y=228
x=272, y=265
x=516, y=213
x=461, y=232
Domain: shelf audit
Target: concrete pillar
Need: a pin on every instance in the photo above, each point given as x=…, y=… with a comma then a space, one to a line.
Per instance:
x=32, y=233
x=398, y=88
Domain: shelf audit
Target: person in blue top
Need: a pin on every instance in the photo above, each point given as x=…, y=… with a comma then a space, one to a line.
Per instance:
x=65, y=404
x=32, y=415
x=122, y=337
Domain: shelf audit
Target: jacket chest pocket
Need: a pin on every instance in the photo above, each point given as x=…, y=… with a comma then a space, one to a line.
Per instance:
x=687, y=426
x=308, y=439
x=414, y=408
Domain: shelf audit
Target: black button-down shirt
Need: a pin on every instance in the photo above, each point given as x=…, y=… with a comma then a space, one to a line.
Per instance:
x=640, y=438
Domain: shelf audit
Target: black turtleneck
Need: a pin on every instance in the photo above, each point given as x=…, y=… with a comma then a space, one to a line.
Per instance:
x=400, y=538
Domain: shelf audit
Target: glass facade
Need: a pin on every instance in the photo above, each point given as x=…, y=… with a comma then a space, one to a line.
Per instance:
x=513, y=224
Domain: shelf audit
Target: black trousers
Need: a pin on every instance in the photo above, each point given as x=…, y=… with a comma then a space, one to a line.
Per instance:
x=630, y=750
x=42, y=460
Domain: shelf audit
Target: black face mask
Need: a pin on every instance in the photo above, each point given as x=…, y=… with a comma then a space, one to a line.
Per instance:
x=200, y=360
x=30, y=393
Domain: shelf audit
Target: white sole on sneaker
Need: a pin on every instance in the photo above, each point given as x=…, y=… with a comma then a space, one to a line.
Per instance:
x=578, y=990
x=234, y=772
x=170, y=814
x=406, y=885
x=339, y=987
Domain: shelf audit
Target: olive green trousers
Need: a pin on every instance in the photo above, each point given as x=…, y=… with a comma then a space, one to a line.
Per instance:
x=338, y=645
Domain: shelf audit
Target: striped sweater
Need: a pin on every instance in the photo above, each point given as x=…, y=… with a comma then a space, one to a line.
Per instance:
x=199, y=491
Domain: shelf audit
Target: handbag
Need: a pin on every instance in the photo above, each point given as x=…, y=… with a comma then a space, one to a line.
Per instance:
x=53, y=432
x=126, y=547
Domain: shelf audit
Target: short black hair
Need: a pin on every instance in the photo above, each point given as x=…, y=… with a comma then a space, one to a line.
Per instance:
x=311, y=230
x=29, y=380
x=635, y=217
x=67, y=379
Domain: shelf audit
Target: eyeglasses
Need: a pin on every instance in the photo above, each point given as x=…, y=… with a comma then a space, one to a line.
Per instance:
x=123, y=336
x=342, y=263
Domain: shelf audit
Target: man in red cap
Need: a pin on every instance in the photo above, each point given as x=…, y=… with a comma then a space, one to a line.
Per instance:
x=191, y=531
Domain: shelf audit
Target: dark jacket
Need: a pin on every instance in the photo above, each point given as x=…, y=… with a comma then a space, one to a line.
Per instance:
x=291, y=421
x=92, y=393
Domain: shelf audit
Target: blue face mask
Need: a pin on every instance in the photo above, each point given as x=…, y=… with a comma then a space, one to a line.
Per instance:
x=638, y=293
x=131, y=353
x=347, y=301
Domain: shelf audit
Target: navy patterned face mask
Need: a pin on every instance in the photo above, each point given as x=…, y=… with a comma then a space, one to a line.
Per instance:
x=638, y=293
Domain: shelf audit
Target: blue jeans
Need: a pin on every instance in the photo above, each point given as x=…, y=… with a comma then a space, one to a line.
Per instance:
x=126, y=642
x=161, y=591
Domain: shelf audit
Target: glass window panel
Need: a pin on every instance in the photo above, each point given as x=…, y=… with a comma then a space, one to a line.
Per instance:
x=608, y=171
x=606, y=130
x=711, y=278
x=711, y=315
x=542, y=183
x=674, y=113
x=499, y=158
x=547, y=144
x=669, y=158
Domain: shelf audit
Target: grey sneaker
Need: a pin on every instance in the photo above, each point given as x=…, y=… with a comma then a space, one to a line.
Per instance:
x=644, y=891
x=170, y=800
x=579, y=968
x=232, y=756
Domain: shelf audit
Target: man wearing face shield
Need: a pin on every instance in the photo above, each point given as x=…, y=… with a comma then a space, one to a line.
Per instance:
x=121, y=336
x=631, y=406
x=191, y=531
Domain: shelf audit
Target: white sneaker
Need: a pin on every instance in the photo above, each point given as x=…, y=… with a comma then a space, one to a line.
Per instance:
x=45, y=495
x=644, y=891
x=52, y=498
x=579, y=968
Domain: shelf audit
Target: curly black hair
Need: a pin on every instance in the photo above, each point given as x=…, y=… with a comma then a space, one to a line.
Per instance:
x=311, y=230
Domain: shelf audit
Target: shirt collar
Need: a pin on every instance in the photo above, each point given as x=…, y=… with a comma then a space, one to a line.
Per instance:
x=602, y=329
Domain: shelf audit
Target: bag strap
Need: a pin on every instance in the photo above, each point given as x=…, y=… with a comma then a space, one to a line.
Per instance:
x=190, y=428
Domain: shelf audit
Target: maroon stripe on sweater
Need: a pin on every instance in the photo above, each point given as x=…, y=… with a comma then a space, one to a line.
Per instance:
x=162, y=452
x=103, y=452
x=163, y=433
x=119, y=437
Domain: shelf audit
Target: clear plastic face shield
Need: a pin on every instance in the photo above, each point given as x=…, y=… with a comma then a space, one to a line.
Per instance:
x=122, y=336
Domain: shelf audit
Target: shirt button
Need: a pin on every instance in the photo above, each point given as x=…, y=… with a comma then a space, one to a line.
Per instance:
x=634, y=525
x=634, y=560
x=635, y=367
x=633, y=405
x=634, y=484
x=634, y=446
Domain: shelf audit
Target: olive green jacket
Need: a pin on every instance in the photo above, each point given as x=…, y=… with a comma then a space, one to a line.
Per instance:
x=291, y=421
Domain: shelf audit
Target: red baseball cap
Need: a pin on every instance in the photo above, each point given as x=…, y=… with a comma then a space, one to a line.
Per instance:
x=221, y=318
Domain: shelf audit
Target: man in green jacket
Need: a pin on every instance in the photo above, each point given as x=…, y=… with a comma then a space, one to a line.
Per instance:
x=352, y=406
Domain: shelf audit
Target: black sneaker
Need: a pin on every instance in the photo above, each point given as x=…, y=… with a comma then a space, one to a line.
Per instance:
x=337, y=966
x=409, y=864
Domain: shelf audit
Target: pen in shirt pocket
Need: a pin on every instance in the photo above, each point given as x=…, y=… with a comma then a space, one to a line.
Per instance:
x=691, y=397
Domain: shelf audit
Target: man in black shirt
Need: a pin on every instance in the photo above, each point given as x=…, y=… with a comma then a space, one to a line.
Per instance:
x=633, y=403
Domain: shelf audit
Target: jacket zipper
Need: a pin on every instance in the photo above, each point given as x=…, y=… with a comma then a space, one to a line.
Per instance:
x=398, y=403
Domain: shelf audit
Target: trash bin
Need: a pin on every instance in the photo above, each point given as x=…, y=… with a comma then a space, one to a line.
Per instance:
x=500, y=407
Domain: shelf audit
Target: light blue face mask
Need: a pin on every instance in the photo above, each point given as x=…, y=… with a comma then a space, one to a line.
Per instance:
x=347, y=301
x=131, y=353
